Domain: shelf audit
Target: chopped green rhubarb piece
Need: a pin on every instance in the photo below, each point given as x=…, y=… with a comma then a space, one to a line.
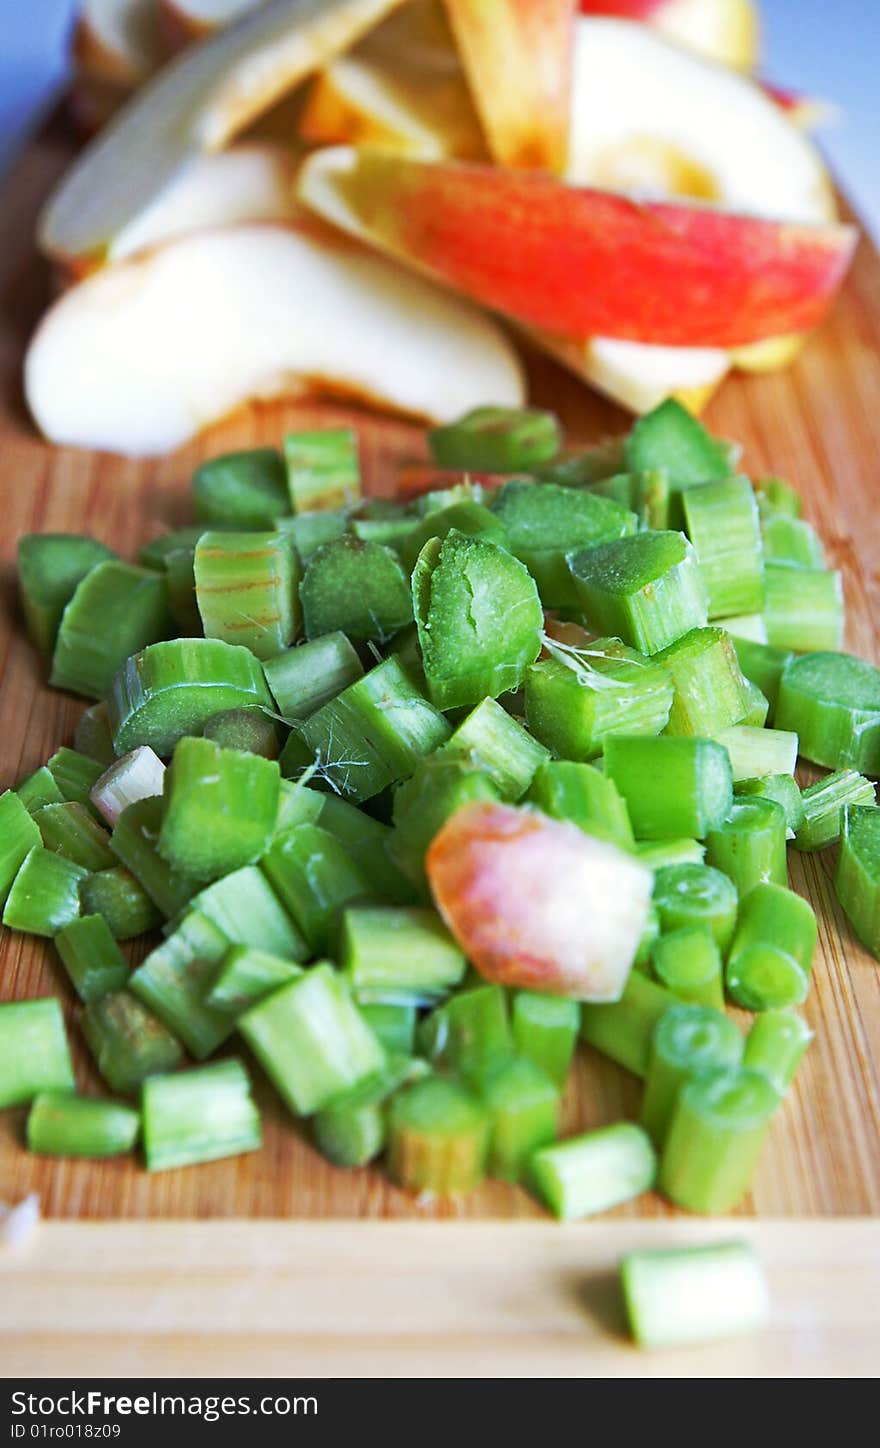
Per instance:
x=670, y=437
x=314, y=878
x=308, y=531
x=245, y=976
x=545, y=1030
x=155, y=554
x=479, y=619
x=312, y=1041
x=803, y=607
x=791, y=540
x=75, y=774
x=440, y=785
x=357, y=588
x=172, y=689
x=710, y=691
x=857, y=881
x=763, y=666
x=715, y=1137
x=779, y=787
x=491, y=740
x=578, y=696
x=389, y=953
x=582, y=469
x=833, y=702
x=121, y=900
x=242, y=489
x=323, y=471
x=136, y=776
x=128, y=1042
x=747, y=628
x=824, y=804
x=250, y=731
x=771, y=954
x=51, y=567
x=19, y=834
x=246, y=590
x=523, y=1107
x=199, y=1115
x=777, y=496
x=173, y=979
x=686, y=895
x=497, y=440
x=246, y=909
x=297, y=805
x=688, y=1040
x=61, y=1124
x=220, y=808
x=367, y=842
x=34, y=1054
x=688, y=963
x=135, y=841
x=180, y=577
x=70, y=830
x=394, y=1026
x=671, y=786
x=38, y=789
x=470, y=1034
x=543, y=522
x=91, y=957
x=759, y=706
x=775, y=1046
x=44, y=896
x=438, y=1138
x=721, y=520
x=466, y=516
x=657, y=854
x=117, y=609
x=584, y=795
x=679, y=1296
x=591, y=1173
x=646, y=589
x=623, y=1029
x=303, y=678
x=351, y=1135
x=749, y=846
x=755, y=751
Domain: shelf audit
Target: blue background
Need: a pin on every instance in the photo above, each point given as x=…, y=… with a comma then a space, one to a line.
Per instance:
x=829, y=48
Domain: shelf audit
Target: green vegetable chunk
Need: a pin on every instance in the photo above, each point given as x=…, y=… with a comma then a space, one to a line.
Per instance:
x=490, y=739
x=710, y=691
x=128, y=1042
x=121, y=900
x=623, y=1029
x=585, y=796
x=833, y=703
x=721, y=520
x=688, y=962
x=135, y=842
x=199, y=1115
x=577, y=697
x=646, y=589
x=591, y=1173
x=670, y=437
x=388, y=953
x=44, y=896
x=715, y=1137
x=305, y=677
x=749, y=846
x=772, y=950
x=858, y=874
x=543, y=522
x=688, y=1040
x=117, y=609
x=762, y=666
x=61, y=1124
x=775, y=1046
x=690, y=894
x=671, y=786
x=438, y=1138
x=497, y=440
x=246, y=590
x=242, y=489
x=34, y=1054
x=356, y=588
x=91, y=957
x=245, y=976
x=680, y=1296
x=322, y=469
x=823, y=805
x=50, y=568
x=220, y=808
x=313, y=876
x=545, y=1030
x=70, y=830
x=803, y=607
x=440, y=785
x=523, y=1107
x=19, y=834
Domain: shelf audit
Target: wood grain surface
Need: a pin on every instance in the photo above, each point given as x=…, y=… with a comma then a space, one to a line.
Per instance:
x=393, y=1300
x=818, y=424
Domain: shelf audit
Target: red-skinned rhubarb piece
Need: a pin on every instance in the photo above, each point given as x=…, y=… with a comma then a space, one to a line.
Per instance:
x=518, y=58
x=536, y=903
x=582, y=262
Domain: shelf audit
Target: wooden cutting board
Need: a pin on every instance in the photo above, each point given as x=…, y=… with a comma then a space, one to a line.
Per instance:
x=818, y=424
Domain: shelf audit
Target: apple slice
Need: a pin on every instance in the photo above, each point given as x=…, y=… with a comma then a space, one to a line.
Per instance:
x=195, y=104
x=581, y=262
x=185, y=21
x=402, y=86
x=116, y=42
x=724, y=30
x=141, y=355
x=640, y=376
x=518, y=58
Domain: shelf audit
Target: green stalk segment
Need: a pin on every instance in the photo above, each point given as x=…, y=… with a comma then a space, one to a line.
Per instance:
x=440, y=785
x=775, y=1046
x=479, y=619
x=245, y=976
x=491, y=740
x=715, y=1137
x=394, y=1026
x=70, y=830
x=672, y=787
x=755, y=751
x=156, y=552
x=34, y=1054
x=303, y=678
x=351, y=1136
x=369, y=737
x=688, y=963
x=438, y=1138
x=857, y=881
x=824, y=804
x=242, y=489
x=297, y=805
x=591, y=1173
x=470, y=1034
x=389, y=953
x=791, y=540
x=135, y=841
x=173, y=979
x=246, y=909
x=777, y=496
x=658, y=854
x=623, y=1030
x=670, y=437
x=44, y=896
x=199, y=1115
x=772, y=951
x=652, y=493
x=721, y=520
x=642, y=959
x=136, y=776
x=128, y=1042
x=584, y=795
x=61, y=1124
x=749, y=847
x=312, y=1041
x=220, y=808
x=804, y=607
x=247, y=590
x=710, y=691
x=367, y=842
x=497, y=440
x=121, y=900
x=577, y=697
x=781, y=788
x=38, y=789
x=117, y=609
x=833, y=701
x=683, y=1296
x=747, y=628
x=646, y=589
x=92, y=736
x=323, y=471
x=74, y=774
x=543, y=522
x=523, y=1107
x=545, y=1030
x=763, y=665
x=688, y=1041
x=51, y=567
x=759, y=707
x=314, y=878
x=687, y=895
x=466, y=516
x=172, y=689
x=91, y=957
x=18, y=836
x=582, y=469
x=248, y=730
x=308, y=531
x=357, y=588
